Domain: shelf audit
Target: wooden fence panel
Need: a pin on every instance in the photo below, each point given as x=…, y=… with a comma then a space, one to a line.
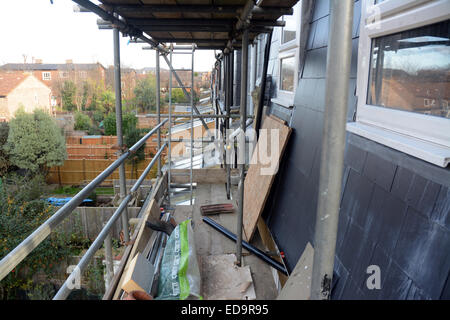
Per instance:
x=89, y=221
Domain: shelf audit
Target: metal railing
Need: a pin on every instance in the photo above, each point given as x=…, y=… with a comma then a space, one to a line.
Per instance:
x=67, y=287
x=12, y=259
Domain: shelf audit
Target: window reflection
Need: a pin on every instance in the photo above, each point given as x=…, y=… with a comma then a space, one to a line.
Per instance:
x=287, y=73
x=410, y=70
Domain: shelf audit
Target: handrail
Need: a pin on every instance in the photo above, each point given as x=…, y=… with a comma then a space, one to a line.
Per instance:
x=12, y=259
x=65, y=290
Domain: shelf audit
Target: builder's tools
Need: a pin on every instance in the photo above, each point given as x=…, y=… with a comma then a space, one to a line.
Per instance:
x=217, y=208
x=160, y=225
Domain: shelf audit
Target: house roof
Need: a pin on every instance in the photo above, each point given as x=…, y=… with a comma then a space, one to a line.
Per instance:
x=9, y=81
x=49, y=66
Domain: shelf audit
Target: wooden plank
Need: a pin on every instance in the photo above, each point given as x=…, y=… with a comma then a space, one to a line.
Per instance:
x=260, y=177
x=139, y=275
x=298, y=286
x=114, y=291
x=140, y=241
x=206, y=240
x=270, y=244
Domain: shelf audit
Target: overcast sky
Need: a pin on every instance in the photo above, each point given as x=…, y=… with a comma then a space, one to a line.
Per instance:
x=54, y=33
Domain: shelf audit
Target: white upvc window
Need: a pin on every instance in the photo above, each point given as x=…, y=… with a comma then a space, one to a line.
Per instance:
x=46, y=76
x=403, y=83
x=288, y=57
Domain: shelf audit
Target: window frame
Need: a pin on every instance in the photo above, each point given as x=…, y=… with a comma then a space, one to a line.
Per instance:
x=46, y=75
x=403, y=130
x=286, y=50
x=284, y=55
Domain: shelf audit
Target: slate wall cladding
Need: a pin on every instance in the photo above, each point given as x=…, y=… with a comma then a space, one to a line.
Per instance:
x=395, y=209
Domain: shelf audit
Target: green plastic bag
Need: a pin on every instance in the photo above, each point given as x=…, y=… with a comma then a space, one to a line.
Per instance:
x=180, y=275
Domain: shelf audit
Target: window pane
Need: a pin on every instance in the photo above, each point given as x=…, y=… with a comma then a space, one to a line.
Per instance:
x=287, y=73
x=289, y=29
x=410, y=70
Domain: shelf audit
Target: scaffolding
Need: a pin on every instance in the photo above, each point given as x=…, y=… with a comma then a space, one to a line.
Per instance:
x=230, y=27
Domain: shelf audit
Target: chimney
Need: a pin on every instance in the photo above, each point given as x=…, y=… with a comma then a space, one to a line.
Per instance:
x=38, y=61
x=69, y=61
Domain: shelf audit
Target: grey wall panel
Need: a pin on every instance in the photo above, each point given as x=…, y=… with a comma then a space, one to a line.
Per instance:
x=395, y=209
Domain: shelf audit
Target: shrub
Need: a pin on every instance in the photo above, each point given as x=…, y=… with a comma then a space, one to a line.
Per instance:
x=35, y=142
x=129, y=122
x=19, y=217
x=82, y=121
x=4, y=158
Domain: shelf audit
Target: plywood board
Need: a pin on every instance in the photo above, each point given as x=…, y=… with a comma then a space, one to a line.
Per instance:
x=260, y=176
x=270, y=244
x=223, y=280
x=298, y=286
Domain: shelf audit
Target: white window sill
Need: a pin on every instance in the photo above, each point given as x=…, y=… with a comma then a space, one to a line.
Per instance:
x=284, y=102
x=427, y=151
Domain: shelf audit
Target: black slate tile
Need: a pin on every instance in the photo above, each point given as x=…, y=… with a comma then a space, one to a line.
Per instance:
x=379, y=170
x=345, y=175
x=307, y=126
x=343, y=224
x=354, y=59
x=321, y=9
x=356, y=19
x=396, y=285
x=445, y=294
x=355, y=157
x=423, y=252
x=340, y=277
x=382, y=260
x=304, y=95
x=319, y=95
x=351, y=291
x=384, y=219
x=402, y=181
x=441, y=211
x=315, y=63
x=356, y=251
x=422, y=194
x=352, y=100
x=357, y=196
x=415, y=293
x=312, y=31
x=321, y=34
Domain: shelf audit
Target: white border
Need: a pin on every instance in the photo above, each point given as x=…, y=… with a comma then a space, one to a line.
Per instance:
x=286, y=50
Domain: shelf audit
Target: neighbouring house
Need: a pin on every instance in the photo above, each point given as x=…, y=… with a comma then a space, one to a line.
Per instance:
x=22, y=89
x=128, y=81
x=55, y=74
